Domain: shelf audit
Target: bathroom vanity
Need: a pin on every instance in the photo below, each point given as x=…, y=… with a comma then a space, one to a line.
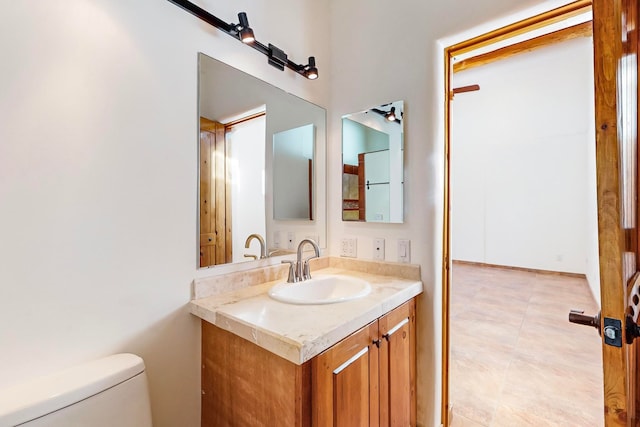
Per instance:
x=266, y=362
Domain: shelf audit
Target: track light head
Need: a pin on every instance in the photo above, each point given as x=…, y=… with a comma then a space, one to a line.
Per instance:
x=391, y=115
x=310, y=70
x=244, y=30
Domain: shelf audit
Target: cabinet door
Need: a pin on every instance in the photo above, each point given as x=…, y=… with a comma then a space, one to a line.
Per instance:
x=397, y=367
x=345, y=382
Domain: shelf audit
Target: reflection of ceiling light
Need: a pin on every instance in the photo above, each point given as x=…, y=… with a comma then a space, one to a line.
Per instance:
x=391, y=115
x=244, y=33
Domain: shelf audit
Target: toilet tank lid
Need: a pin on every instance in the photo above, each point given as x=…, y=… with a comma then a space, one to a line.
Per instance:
x=35, y=398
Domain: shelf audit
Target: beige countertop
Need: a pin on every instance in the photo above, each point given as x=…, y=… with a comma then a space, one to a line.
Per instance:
x=300, y=332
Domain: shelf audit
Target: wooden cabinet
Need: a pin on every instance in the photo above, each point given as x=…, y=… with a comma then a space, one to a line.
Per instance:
x=367, y=379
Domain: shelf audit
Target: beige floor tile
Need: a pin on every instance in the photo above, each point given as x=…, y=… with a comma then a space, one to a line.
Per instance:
x=462, y=421
x=515, y=358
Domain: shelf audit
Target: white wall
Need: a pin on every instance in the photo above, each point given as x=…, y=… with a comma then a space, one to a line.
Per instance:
x=395, y=51
x=520, y=183
x=98, y=178
x=292, y=151
x=246, y=152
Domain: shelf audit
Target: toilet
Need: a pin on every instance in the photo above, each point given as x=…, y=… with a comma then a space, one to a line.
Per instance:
x=111, y=391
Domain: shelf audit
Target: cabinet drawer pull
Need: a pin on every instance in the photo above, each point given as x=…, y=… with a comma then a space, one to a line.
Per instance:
x=350, y=361
x=395, y=328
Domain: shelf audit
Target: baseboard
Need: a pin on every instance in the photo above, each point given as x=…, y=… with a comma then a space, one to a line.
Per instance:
x=530, y=270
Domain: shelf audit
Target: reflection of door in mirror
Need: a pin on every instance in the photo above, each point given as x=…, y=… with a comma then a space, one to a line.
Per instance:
x=376, y=178
x=351, y=193
x=215, y=221
x=225, y=193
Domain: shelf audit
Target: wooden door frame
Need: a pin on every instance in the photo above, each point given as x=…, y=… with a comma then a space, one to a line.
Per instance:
x=521, y=27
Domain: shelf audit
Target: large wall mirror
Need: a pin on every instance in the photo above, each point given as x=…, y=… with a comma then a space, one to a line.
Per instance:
x=372, y=164
x=261, y=167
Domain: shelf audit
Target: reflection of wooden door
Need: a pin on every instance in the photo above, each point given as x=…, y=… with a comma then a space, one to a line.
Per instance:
x=215, y=203
x=615, y=37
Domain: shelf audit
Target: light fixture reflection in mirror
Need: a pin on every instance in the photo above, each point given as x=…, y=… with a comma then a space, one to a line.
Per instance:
x=240, y=117
x=372, y=164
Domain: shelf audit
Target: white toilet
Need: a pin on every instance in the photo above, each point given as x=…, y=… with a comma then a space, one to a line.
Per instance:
x=107, y=392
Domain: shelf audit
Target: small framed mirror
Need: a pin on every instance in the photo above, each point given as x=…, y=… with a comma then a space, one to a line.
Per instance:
x=373, y=164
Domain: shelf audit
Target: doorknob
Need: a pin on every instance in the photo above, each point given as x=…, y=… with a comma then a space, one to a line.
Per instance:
x=578, y=316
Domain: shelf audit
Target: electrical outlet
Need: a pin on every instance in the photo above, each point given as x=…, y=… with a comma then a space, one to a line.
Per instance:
x=349, y=247
x=291, y=240
x=404, y=250
x=378, y=249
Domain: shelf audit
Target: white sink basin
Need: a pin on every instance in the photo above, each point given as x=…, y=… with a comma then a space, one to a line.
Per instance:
x=321, y=290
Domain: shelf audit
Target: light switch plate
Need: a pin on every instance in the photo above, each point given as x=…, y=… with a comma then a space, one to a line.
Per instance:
x=276, y=239
x=404, y=250
x=378, y=249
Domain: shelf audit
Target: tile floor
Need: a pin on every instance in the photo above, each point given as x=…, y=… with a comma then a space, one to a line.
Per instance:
x=515, y=358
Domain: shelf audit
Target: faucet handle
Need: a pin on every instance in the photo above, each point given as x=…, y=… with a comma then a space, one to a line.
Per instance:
x=306, y=271
x=293, y=266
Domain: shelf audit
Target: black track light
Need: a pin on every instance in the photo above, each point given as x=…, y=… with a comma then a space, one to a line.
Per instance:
x=244, y=33
x=244, y=30
x=310, y=71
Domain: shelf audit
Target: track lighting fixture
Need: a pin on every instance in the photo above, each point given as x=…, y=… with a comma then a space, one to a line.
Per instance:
x=244, y=30
x=244, y=33
x=310, y=70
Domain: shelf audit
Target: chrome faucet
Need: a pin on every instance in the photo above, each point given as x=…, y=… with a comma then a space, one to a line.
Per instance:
x=263, y=248
x=299, y=270
x=304, y=272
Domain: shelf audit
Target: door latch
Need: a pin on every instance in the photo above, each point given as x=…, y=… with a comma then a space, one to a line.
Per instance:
x=631, y=328
x=612, y=332
x=610, y=328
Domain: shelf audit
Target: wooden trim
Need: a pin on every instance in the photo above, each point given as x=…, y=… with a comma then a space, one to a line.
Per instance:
x=517, y=28
x=530, y=270
x=350, y=169
x=244, y=119
x=521, y=27
x=570, y=33
x=463, y=89
x=207, y=125
x=446, y=243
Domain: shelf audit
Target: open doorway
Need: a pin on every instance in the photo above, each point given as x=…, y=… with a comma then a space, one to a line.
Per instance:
x=522, y=196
